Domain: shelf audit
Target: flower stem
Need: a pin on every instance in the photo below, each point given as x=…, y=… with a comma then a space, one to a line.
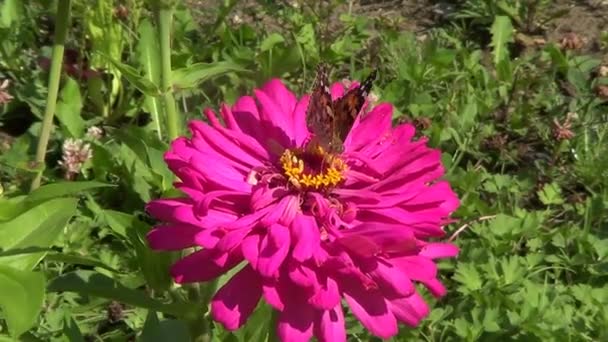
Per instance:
x=164, y=16
x=61, y=29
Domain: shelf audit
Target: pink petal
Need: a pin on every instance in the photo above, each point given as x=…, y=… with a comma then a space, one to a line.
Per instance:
x=393, y=280
x=410, y=310
x=417, y=267
x=330, y=327
x=370, y=128
x=172, y=237
x=326, y=294
x=300, y=130
x=295, y=322
x=235, y=301
x=204, y=265
x=273, y=250
x=439, y=250
x=370, y=307
x=306, y=237
x=281, y=96
x=273, y=296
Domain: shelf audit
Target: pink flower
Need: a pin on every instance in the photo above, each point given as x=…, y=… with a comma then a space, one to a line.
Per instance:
x=310, y=228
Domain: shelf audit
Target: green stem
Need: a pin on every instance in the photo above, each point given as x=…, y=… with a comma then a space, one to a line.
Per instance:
x=164, y=16
x=272, y=327
x=61, y=29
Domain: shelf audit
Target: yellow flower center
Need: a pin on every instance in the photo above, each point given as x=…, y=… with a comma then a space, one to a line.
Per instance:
x=312, y=168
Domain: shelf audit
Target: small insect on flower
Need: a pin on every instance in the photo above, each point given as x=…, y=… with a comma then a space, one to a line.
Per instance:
x=331, y=120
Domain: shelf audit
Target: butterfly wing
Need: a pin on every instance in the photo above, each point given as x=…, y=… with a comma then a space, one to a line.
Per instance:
x=319, y=115
x=347, y=108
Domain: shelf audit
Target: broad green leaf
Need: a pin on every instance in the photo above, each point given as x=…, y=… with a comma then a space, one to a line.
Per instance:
x=89, y=283
x=550, y=194
x=21, y=298
x=191, y=76
x=502, y=35
x=10, y=12
x=60, y=189
x=154, y=265
x=69, y=107
x=166, y=330
x=140, y=82
x=118, y=221
x=148, y=54
x=11, y=207
x=37, y=227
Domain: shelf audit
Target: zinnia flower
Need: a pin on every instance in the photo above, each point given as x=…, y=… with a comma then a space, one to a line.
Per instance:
x=308, y=230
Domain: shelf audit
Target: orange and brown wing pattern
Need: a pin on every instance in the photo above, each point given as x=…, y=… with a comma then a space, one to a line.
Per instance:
x=330, y=121
x=347, y=107
x=319, y=115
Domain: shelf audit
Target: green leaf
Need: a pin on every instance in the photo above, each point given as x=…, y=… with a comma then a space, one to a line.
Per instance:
x=550, y=194
x=140, y=82
x=60, y=189
x=37, y=227
x=154, y=265
x=191, y=76
x=78, y=260
x=468, y=275
x=502, y=34
x=269, y=42
x=149, y=59
x=89, y=283
x=71, y=330
x=167, y=330
x=11, y=207
x=21, y=298
x=10, y=12
x=68, y=109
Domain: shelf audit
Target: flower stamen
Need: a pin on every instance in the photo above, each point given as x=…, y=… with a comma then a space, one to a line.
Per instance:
x=312, y=168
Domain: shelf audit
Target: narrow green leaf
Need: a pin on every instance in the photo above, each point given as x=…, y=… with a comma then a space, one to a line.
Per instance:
x=60, y=189
x=148, y=58
x=191, y=76
x=134, y=77
x=89, y=283
x=71, y=330
x=502, y=35
x=21, y=298
x=69, y=107
x=78, y=260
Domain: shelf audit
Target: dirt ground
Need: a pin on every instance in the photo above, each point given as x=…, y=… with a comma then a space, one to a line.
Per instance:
x=587, y=19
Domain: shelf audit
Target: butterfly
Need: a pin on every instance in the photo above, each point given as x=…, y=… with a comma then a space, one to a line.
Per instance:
x=331, y=120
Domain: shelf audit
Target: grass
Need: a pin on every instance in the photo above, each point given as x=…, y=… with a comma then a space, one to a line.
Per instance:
x=522, y=127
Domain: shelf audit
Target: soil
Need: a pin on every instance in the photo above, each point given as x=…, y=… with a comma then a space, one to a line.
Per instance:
x=586, y=19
